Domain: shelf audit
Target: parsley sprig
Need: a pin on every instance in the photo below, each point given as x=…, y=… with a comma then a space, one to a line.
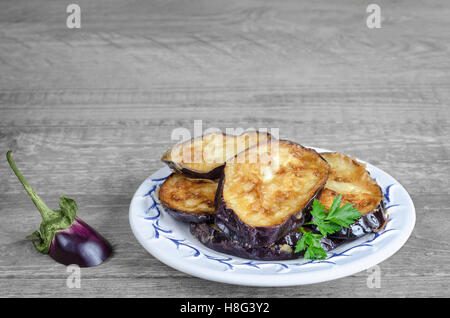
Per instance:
x=329, y=222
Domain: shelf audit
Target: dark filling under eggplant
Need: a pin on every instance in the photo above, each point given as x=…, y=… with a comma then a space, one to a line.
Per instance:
x=284, y=249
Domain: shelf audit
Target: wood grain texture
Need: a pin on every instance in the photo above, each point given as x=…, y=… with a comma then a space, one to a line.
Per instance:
x=89, y=112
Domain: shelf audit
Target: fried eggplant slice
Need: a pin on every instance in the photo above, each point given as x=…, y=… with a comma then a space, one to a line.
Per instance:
x=266, y=190
x=350, y=179
x=188, y=199
x=205, y=157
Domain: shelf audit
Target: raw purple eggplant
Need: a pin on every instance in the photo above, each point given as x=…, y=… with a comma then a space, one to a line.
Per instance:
x=66, y=238
x=79, y=244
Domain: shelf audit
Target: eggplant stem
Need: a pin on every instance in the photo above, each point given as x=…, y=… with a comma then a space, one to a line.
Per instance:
x=40, y=205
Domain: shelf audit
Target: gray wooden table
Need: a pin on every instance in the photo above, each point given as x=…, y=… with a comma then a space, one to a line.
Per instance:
x=89, y=112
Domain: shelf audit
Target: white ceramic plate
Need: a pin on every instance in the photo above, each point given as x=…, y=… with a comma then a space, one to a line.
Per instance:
x=171, y=242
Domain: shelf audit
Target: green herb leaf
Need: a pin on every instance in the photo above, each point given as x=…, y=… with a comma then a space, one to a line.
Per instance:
x=345, y=215
x=315, y=253
x=52, y=220
x=301, y=245
x=326, y=227
x=327, y=223
x=335, y=205
x=311, y=242
x=320, y=219
x=318, y=210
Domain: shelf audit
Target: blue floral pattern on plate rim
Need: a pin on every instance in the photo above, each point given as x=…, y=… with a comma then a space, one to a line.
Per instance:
x=157, y=226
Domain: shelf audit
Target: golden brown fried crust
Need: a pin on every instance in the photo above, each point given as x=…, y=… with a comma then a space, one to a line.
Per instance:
x=267, y=192
x=188, y=195
x=212, y=150
x=349, y=178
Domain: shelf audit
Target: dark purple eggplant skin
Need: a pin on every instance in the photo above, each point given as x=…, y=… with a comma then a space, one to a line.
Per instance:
x=79, y=244
x=362, y=226
x=283, y=249
x=190, y=217
x=212, y=175
x=231, y=225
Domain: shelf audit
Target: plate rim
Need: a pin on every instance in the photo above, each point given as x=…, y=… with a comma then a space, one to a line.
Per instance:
x=282, y=279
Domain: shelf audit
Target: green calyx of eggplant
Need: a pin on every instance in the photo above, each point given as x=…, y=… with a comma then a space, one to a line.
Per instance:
x=52, y=220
